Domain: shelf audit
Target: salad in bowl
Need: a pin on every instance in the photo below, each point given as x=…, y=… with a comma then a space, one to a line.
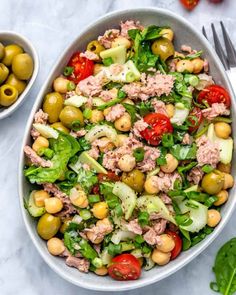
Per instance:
x=131, y=153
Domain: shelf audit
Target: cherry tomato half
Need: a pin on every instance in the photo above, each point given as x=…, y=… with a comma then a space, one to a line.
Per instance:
x=178, y=244
x=189, y=4
x=158, y=125
x=214, y=94
x=83, y=67
x=125, y=267
x=96, y=189
x=110, y=176
x=195, y=119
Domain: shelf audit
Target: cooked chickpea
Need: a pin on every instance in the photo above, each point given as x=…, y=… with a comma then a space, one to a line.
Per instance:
x=78, y=198
x=222, y=198
x=128, y=101
x=213, y=217
x=104, y=221
x=222, y=130
x=106, y=146
x=167, y=244
x=167, y=33
x=160, y=257
x=150, y=186
x=53, y=205
x=120, y=139
x=40, y=197
x=121, y=41
x=198, y=65
x=55, y=246
x=93, y=237
x=96, y=116
x=106, y=111
x=40, y=142
x=60, y=85
x=127, y=163
x=184, y=66
x=102, y=271
x=171, y=164
x=224, y=167
x=123, y=123
x=100, y=210
x=170, y=109
x=228, y=181
x=97, y=68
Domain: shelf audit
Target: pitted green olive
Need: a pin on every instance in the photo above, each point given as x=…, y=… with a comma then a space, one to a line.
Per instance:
x=71, y=114
x=22, y=66
x=10, y=52
x=213, y=182
x=15, y=82
x=3, y=73
x=53, y=104
x=48, y=225
x=8, y=95
x=2, y=51
x=95, y=47
x=135, y=179
x=163, y=47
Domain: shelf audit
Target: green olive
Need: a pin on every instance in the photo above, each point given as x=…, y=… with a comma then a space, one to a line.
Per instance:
x=65, y=225
x=53, y=104
x=95, y=47
x=2, y=51
x=163, y=47
x=22, y=66
x=11, y=51
x=59, y=126
x=135, y=179
x=48, y=225
x=15, y=82
x=213, y=182
x=71, y=114
x=3, y=73
x=8, y=95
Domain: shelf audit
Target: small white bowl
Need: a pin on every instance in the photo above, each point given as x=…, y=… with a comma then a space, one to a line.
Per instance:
x=8, y=37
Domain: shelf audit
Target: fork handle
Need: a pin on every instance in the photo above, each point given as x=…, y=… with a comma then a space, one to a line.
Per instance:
x=232, y=78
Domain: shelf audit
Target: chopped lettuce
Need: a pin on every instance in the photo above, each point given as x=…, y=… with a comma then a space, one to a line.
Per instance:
x=184, y=152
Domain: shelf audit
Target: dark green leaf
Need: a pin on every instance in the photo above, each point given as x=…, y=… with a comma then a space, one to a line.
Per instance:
x=184, y=152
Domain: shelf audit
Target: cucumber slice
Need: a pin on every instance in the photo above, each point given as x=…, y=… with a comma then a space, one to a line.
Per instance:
x=127, y=196
x=76, y=101
x=122, y=235
x=46, y=130
x=32, y=208
x=85, y=158
x=118, y=54
x=97, y=102
x=100, y=131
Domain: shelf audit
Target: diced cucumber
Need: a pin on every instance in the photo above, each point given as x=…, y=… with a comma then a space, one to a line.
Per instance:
x=46, y=130
x=76, y=101
x=122, y=235
x=180, y=114
x=32, y=208
x=97, y=102
x=118, y=54
x=85, y=158
x=127, y=197
x=100, y=131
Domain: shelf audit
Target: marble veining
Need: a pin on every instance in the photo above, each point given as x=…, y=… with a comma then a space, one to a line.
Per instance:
x=52, y=25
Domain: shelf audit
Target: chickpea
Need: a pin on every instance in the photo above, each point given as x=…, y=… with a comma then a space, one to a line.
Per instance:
x=55, y=246
x=40, y=197
x=53, y=205
x=106, y=111
x=170, y=109
x=184, y=66
x=78, y=198
x=224, y=167
x=93, y=237
x=167, y=243
x=222, y=198
x=198, y=65
x=100, y=210
x=40, y=142
x=123, y=123
x=222, y=130
x=121, y=41
x=150, y=186
x=97, y=68
x=106, y=222
x=101, y=271
x=120, y=138
x=128, y=101
x=160, y=258
x=127, y=163
x=60, y=85
x=96, y=116
x=213, y=217
x=107, y=146
x=228, y=181
x=171, y=164
x=167, y=33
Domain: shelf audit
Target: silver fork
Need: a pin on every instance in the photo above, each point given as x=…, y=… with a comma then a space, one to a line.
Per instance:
x=228, y=59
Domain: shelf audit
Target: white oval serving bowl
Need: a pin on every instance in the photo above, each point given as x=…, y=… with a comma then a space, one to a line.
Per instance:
x=8, y=37
x=185, y=34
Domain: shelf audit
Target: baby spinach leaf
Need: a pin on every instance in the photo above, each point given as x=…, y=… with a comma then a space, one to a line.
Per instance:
x=184, y=152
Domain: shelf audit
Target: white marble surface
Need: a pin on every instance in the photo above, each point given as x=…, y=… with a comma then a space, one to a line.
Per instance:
x=52, y=25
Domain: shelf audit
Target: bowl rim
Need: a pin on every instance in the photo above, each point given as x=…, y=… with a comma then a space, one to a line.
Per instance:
x=11, y=35
x=204, y=244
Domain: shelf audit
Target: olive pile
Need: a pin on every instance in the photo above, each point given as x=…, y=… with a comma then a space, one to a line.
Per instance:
x=16, y=67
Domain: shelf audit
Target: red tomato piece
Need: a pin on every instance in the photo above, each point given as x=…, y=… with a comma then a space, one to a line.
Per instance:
x=178, y=244
x=189, y=4
x=96, y=189
x=125, y=267
x=195, y=119
x=214, y=94
x=83, y=67
x=159, y=124
x=110, y=176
